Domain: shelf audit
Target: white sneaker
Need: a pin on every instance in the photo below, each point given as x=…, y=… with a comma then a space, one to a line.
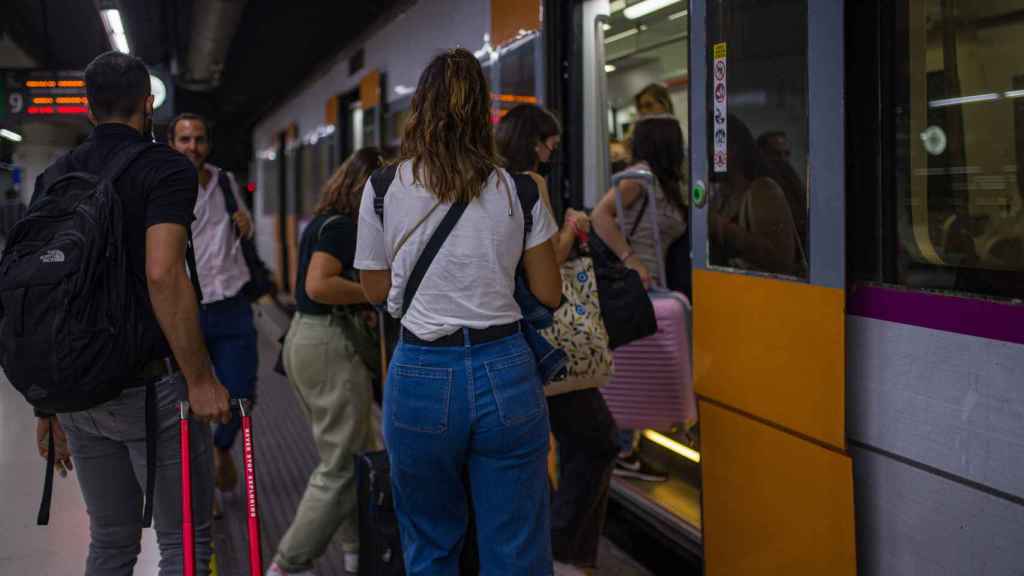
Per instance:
x=352, y=562
x=276, y=570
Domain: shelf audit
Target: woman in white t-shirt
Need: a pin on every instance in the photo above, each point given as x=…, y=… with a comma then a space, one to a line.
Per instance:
x=463, y=398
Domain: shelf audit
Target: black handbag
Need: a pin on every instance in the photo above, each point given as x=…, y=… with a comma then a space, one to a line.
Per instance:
x=261, y=281
x=625, y=306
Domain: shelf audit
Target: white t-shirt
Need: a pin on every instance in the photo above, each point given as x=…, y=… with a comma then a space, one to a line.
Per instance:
x=471, y=281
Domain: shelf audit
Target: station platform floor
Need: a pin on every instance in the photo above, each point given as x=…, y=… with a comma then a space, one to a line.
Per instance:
x=285, y=456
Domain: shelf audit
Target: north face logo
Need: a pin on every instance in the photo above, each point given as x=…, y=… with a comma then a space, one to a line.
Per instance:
x=52, y=257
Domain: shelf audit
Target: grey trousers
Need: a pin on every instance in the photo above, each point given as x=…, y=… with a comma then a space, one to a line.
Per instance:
x=108, y=446
x=334, y=389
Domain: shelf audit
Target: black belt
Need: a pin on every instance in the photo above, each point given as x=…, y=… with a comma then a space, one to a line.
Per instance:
x=157, y=369
x=476, y=336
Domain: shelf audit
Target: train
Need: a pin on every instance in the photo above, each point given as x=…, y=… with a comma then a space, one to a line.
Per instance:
x=860, y=412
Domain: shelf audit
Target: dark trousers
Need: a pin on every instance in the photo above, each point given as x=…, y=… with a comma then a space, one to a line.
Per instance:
x=232, y=341
x=587, y=447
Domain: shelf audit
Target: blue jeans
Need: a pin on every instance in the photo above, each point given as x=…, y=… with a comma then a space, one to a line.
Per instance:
x=479, y=411
x=232, y=340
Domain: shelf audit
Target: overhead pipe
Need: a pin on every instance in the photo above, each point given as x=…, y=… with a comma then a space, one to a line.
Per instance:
x=214, y=24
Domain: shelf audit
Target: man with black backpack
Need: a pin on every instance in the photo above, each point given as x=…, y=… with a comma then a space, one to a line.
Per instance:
x=231, y=275
x=99, y=324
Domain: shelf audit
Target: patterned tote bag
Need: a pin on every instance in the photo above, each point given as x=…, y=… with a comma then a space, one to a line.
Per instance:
x=579, y=330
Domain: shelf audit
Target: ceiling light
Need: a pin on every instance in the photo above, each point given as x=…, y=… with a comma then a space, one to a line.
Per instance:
x=609, y=67
x=1014, y=94
x=621, y=35
x=941, y=103
x=115, y=29
x=644, y=8
x=12, y=136
x=678, y=15
x=617, y=5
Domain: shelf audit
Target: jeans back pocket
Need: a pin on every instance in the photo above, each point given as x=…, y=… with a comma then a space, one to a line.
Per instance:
x=516, y=387
x=421, y=396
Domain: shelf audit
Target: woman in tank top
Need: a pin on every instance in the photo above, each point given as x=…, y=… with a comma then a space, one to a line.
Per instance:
x=657, y=147
x=463, y=400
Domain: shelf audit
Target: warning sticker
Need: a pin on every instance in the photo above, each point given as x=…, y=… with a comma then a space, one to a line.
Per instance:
x=720, y=110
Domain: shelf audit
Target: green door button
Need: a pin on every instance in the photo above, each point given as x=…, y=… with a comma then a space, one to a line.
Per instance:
x=700, y=196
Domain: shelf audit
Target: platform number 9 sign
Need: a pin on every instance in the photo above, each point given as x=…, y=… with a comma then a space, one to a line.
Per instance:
x=15, y=103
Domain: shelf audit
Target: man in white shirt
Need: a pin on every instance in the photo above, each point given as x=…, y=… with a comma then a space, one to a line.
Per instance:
x=226, y=314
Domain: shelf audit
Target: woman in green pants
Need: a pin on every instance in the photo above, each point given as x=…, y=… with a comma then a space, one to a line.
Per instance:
x=332, y=383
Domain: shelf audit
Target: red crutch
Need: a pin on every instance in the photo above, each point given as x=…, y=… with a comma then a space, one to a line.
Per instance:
x=252, y=514
x=187, y=531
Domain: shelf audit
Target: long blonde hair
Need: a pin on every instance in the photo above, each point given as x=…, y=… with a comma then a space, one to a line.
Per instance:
x=449, y=136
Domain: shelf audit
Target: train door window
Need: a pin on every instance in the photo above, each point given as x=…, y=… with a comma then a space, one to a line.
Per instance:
x=957, y=118
x=641, y=51
x=355, y=125
x=757, y=127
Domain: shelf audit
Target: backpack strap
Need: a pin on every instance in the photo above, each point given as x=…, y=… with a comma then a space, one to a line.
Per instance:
x=381, y=180
x=529, y=194
x=114, y=168
x=224, y=182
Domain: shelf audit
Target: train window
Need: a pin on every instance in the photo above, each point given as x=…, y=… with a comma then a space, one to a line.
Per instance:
x=270, y=183
x=514, y=75
x=757, y=126
x=957, y=133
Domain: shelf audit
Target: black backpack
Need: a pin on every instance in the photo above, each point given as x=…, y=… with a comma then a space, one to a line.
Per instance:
x=68, y=316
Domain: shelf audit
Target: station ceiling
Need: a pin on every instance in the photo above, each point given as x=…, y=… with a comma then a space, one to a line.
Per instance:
x=274, y=45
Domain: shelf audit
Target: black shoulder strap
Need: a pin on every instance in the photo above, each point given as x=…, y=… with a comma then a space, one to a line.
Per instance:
x=639, y=216
x=526, y=189
x=123, y=159
x=381, y=180
x=193, y=270
x=224, y=181
x=328, y=220
x=444, y=229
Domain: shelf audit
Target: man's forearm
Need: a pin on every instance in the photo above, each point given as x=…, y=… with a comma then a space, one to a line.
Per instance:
x=176, y=310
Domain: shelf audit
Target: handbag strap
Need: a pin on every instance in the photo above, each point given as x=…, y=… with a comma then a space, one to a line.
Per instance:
x=437, y=239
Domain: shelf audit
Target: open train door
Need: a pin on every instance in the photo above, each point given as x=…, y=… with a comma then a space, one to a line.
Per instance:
x=768, y=214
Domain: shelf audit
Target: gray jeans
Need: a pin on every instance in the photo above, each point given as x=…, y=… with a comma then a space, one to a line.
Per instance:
x=108, y=445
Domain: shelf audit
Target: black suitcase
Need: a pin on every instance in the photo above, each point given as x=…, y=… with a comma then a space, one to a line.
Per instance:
x=380, y=544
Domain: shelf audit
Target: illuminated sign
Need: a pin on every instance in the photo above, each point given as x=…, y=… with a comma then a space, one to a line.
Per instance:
x=57, y=93
x=44, y=93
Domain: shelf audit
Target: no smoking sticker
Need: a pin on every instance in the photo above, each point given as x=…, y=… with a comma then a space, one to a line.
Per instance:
x=720, y=109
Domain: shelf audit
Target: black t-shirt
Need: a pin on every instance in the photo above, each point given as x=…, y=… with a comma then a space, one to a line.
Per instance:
x=159, y=187
x=337, y=238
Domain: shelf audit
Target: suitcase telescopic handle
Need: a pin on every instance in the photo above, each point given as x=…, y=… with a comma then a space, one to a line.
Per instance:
x=187, y=530
x=252, y=512
x=649, y=182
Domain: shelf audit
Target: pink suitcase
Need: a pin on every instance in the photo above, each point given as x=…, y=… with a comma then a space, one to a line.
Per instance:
x=652, y=386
